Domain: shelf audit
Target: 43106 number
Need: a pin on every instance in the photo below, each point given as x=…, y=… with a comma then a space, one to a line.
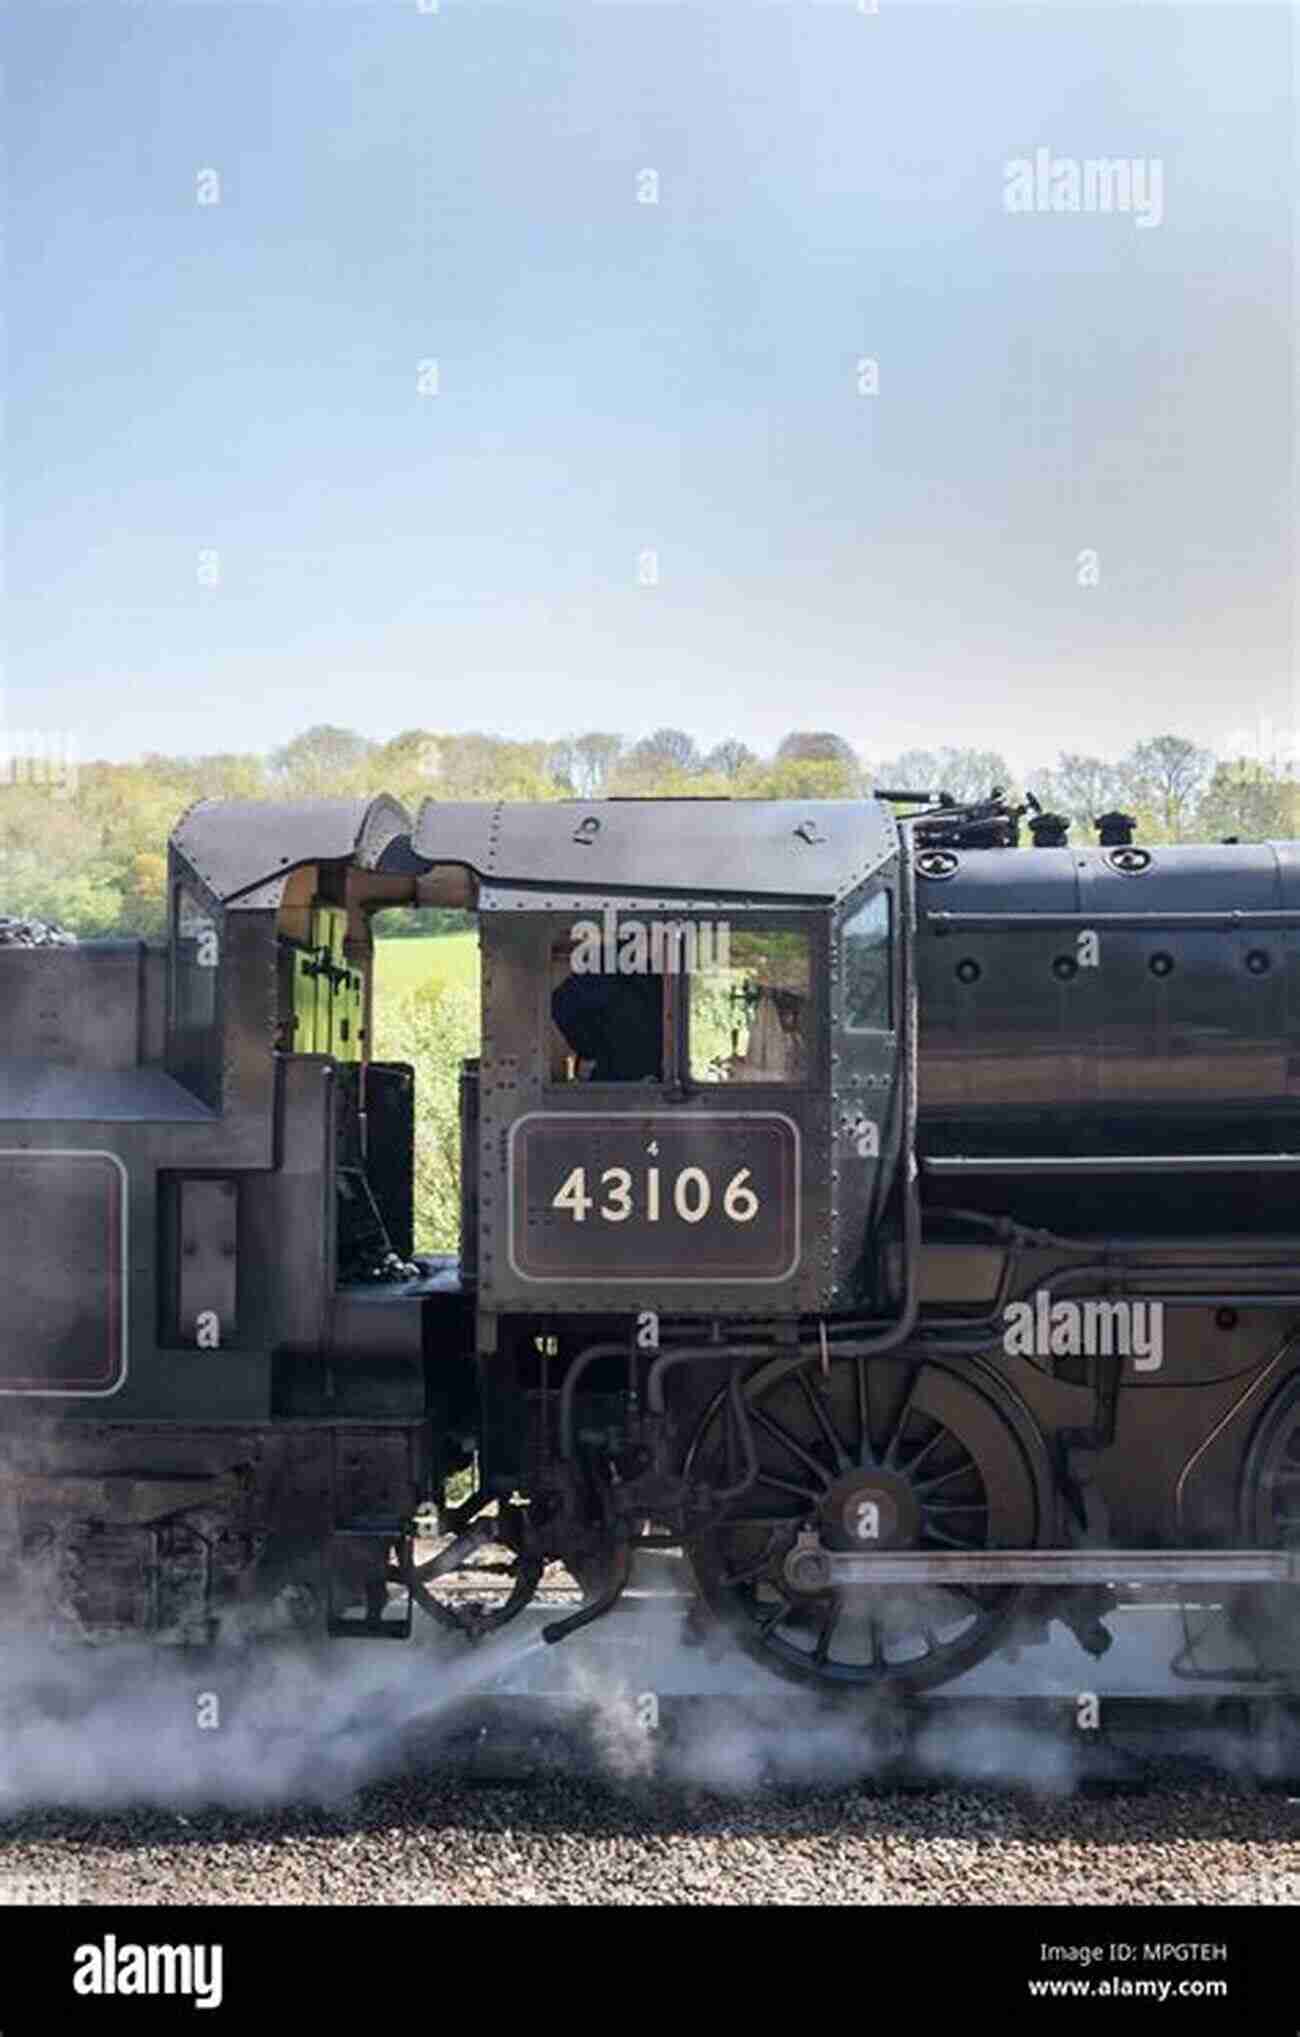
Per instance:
x=690, y=1194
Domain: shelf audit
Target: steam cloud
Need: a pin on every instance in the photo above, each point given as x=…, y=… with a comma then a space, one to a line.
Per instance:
x=255, y=1726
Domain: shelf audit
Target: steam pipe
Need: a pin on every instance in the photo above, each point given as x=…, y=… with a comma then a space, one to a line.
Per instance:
x=568, y=1391
x=736, y=1400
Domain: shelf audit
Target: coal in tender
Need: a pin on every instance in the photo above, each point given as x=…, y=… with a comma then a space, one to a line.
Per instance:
x=33, y=933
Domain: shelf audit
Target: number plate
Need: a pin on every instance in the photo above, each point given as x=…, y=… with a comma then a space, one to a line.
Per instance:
x=626, y=1198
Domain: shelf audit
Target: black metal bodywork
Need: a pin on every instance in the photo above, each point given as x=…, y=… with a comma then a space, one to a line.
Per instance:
x=776, y=1269
x=1182, y=1023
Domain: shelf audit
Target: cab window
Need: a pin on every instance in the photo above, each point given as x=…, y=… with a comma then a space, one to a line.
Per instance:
x=750, y=1014
x=605, y=1024
x=195, y=955
x=194, y=1043
x=868, y=960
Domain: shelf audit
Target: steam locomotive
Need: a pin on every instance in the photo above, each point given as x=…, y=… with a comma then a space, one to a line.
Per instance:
x=897, y=1220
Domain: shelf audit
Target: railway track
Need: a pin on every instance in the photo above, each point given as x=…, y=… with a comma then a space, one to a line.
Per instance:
x=642, y=1695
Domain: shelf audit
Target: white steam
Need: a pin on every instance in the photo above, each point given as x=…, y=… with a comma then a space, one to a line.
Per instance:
x=641, y=1702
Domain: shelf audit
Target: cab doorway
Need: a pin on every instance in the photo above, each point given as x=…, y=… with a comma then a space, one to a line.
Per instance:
x=426, y=1015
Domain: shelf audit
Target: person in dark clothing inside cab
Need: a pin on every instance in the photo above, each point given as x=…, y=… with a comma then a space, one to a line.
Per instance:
x=615, y=1023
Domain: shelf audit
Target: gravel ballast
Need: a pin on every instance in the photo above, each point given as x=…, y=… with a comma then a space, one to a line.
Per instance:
x=434, y=1839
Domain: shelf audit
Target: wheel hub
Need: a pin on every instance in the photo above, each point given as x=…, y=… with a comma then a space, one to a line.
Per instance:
x=871, y=1509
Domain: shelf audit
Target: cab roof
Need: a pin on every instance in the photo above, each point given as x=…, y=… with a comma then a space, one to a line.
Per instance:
x=243, y=846
x=810, y=850
x=797, y=849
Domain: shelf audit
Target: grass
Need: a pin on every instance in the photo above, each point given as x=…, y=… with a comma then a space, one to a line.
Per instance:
x=427, y=1014
x=450, y=959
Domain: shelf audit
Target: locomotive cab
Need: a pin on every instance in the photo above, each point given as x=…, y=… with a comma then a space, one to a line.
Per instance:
x=687, y=1099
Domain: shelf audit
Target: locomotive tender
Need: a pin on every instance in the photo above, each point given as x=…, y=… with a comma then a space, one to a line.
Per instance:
x=899, y=1221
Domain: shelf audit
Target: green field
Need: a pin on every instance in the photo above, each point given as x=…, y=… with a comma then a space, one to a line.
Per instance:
x=438, y=958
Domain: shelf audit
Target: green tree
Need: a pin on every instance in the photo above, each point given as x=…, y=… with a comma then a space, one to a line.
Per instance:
x=53, y=865
x=323, y=762
x=598, y=753
x=434, y=1028
x=819, y=746
x=668, y=754
x=1163, y=779
x=729, y=758
x=800, y=778
x=408, y=766
x=1249, y=799
x=969, y=775
x=132, y=809
x=582, y=765
x=482, y=767
x=1080, y=787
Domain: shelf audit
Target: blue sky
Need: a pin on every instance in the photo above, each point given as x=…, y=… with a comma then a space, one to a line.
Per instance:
x=240, y=379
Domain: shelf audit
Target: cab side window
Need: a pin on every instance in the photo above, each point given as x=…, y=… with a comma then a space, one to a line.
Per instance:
x=194, y=1032
x=750, y=1014
x=611, y=1028
x=606, y=1024
x=868, y=964
x=195, y=956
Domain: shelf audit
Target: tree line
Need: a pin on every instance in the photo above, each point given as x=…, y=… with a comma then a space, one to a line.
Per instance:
x=92, y=854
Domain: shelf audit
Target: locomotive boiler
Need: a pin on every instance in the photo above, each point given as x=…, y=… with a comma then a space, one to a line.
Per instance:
x=898, y=1221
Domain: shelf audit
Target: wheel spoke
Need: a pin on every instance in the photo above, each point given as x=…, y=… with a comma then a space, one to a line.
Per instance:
x=828, y=1623
x=782, y=1435
x=860, y=1396
x=952, y=1541
x=900, y=1421
x=824, y=1423
x=933, y=1484
x=788, y=1485
x=939, y=1436
x=774, y=1619
x=760, y=1520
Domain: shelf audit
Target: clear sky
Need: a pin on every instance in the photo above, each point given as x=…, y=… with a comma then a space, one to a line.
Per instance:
x=231, y=512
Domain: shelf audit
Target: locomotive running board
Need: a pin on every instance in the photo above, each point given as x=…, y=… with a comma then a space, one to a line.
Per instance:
x=1065, y=1566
